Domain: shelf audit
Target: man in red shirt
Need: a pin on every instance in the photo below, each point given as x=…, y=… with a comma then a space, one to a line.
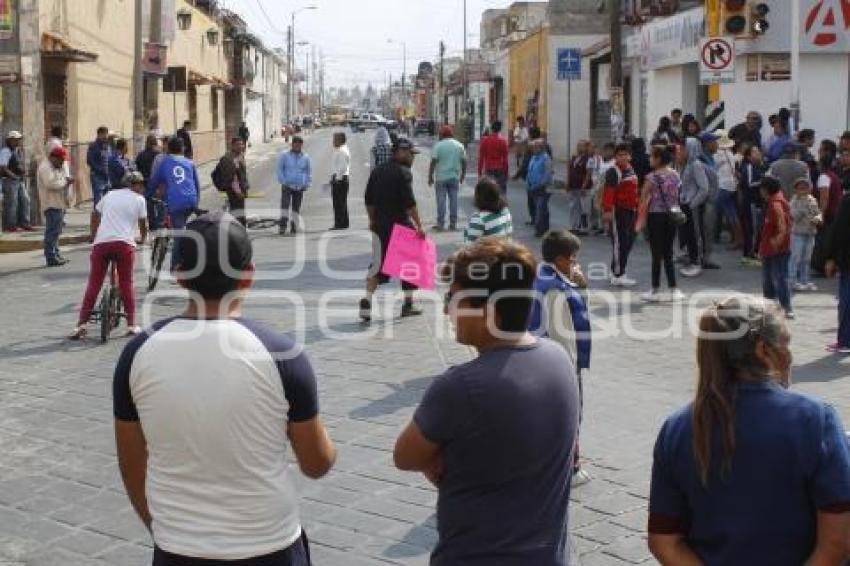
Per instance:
x=493, y=156
x=619, y=207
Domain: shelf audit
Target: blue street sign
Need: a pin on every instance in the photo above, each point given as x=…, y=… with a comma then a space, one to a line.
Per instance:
x=569, y=64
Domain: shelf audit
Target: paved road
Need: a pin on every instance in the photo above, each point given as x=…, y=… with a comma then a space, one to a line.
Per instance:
x=61, y=500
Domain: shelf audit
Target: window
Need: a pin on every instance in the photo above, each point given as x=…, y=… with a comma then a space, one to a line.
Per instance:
x=214, y=107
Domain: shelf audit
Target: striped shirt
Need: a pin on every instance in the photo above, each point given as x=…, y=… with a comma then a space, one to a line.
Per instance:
x=486, y=223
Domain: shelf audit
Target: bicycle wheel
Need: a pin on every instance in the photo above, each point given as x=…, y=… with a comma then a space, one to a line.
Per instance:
x=114, y=307
x=158, y=251
x=105, y=315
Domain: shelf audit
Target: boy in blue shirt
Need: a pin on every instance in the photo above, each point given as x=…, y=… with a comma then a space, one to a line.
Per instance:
x=176, y=182
x=560, y=312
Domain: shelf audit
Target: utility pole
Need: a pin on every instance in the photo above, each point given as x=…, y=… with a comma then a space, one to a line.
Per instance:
x=616, y=76
x=465, y=62
x=138, y=81
x=795, y=64
x=443, y=94
x=289, y=75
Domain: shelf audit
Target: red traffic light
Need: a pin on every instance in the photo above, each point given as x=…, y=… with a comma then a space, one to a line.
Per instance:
x=735, y=5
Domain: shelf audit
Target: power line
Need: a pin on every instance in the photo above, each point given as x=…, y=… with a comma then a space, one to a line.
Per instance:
x=268, y=19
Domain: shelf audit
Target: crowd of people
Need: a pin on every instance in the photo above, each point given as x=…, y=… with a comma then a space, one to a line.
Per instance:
x=202, y=432
x=771, y=199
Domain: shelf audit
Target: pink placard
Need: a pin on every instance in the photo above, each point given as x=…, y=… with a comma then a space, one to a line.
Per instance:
x=411, y=258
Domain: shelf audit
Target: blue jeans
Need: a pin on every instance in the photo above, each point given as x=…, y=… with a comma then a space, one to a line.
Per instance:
x=16, y=204
x=541, y=211
x=178, y=222
x=99, y=186
x=727, y=207
x=775, y=280
x=53, y=218
x=447, y=190
x=844, y=309
x=802, y=246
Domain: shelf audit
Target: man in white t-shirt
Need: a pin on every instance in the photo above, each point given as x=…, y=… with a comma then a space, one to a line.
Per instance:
x=208, y=406
x=113, y=227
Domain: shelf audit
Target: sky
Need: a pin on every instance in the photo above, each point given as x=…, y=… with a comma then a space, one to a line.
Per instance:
x=354, y=34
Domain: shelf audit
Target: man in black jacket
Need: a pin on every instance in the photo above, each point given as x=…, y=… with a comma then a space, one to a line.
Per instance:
x=838, y=261
x=234, y=176
x=183, y=134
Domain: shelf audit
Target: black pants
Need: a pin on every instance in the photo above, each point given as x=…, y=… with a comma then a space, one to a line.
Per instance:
x=236, y=203
x=662, y=233
x=298, y=554
x=622, y=239
x=692, y=233
x=532, y=206
x=745, y=217
x=289, y=196
x=339, y=195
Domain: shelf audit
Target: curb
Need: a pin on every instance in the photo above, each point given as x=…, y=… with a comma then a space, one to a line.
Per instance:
x=16, y=246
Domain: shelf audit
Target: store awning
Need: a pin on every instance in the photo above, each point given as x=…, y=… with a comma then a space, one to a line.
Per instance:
x=59, y=48
x=199, y=78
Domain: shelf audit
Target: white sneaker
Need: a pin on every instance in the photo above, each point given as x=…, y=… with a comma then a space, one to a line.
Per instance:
x=622, y=281
x=811, y=287
x=677, y=296
x=691, y=271
x=580, y=477
x=653, y=296
x=800, y=287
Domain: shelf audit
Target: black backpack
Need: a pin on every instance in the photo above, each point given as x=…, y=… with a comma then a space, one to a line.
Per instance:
x=217, y=178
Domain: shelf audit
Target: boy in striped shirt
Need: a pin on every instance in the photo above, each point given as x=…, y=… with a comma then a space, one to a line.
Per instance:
x=493, y=217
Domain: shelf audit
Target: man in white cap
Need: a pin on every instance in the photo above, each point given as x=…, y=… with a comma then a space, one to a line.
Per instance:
x=16, y=201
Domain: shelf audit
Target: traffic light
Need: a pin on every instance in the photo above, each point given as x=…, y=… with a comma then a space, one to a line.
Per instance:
x=744, y=18
x=734, y=18
x=758, y=18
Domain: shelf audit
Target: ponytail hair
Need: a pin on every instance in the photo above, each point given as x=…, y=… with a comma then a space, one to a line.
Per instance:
x=729, y=332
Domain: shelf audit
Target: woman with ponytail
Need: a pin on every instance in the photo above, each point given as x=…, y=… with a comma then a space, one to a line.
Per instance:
x=750, y=472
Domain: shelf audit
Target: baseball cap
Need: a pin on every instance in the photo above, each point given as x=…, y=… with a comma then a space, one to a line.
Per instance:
x=202, y=254
x=60, y=152
x=706, y=137
x=404, y=143
x=14, y=135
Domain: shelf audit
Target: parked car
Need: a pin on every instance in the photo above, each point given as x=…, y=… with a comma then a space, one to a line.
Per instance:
x=425, y=127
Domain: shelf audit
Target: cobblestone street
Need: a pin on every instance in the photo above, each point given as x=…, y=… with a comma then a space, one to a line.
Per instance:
x=61, y=497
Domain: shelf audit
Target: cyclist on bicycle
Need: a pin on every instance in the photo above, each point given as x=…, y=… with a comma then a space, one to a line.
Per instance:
x=175, y=181
x=113, y=226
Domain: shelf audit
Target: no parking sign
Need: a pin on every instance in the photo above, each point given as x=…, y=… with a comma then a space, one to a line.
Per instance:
x=717, y=60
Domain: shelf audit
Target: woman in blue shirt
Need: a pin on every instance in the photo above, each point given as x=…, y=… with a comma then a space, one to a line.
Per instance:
x=750, y=472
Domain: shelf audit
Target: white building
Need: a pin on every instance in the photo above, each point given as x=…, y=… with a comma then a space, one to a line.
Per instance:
x=662, y=71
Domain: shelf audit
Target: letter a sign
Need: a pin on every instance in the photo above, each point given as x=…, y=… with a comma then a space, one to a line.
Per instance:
x=717, y=61
x=827, y=24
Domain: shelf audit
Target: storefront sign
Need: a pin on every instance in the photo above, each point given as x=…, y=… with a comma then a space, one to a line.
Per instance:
x=826, y=25
x=669, y=41
x=7, y=19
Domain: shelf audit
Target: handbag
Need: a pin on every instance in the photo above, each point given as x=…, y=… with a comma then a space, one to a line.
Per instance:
x=674, y=212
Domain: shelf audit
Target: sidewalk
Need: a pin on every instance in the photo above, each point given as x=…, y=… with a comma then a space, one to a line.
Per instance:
x=77, y=218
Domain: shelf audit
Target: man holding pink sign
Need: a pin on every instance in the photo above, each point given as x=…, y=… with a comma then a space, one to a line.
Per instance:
x=390, y=202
